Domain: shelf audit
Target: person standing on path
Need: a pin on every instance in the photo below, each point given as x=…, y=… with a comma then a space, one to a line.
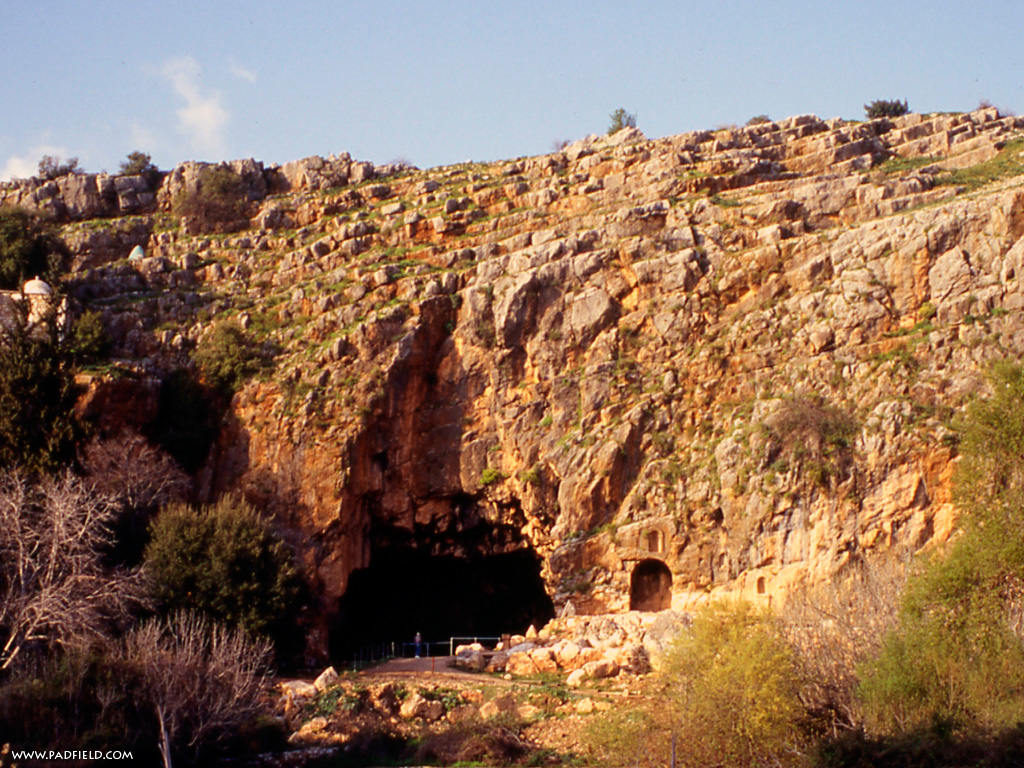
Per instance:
x=419, y=643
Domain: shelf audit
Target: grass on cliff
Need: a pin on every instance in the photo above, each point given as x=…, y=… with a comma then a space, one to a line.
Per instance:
x=1009, y=162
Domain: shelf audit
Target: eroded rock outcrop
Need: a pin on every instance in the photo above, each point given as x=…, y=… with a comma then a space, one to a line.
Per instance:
x=716, y=361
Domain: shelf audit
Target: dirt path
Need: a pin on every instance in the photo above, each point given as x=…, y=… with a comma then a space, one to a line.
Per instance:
x=428, y=668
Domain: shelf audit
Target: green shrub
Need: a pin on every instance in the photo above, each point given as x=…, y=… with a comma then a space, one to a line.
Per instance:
x=759, y=120
x=227, y=356
x=140, y=164
x=225, y=561
x=957, y=654
x=136, y=164
x=728, y=694
x=89, y=339
x=75, y=698
x=883, y=108
x=620, y=119
x=490, y=476
x=216, y=204
x=37, y=397
x=28, y=248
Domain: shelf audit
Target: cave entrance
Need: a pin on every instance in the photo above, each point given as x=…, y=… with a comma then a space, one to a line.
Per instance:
x=405, y=591
x=650, y=587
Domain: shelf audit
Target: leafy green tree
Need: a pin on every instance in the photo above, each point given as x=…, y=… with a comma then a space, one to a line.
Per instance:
x=225, y=561
x=958, y=653
x=89, y=340
x=620, y=119
x=141, y=164
x=227, y=356
x=37, y=396
x=28, y=247
x=137, y=163
x=883, y=108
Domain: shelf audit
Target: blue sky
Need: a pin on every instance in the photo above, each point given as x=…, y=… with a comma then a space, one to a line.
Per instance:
x=453, y=80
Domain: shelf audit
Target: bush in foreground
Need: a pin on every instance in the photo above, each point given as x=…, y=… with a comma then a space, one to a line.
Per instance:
x=728, y=695
x=224, y=561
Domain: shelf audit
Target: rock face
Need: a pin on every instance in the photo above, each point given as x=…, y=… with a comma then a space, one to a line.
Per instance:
x=715, y=361
x=80, y=196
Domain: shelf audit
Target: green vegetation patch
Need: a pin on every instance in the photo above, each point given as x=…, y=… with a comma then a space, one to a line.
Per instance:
x=1009, y=162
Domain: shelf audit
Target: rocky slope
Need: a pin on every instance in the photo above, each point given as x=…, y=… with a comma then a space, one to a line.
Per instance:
x=715, y=361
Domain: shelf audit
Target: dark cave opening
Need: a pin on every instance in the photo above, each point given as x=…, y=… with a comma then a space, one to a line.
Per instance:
x=405, y=591
x=650, y=586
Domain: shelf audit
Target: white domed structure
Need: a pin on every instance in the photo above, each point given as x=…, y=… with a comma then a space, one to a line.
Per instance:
x=137, y=254
x=36, y=287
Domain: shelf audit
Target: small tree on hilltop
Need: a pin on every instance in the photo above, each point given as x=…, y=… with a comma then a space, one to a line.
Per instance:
x=53, y=167
x=140, y=164
x=620, y=119
x=136, y=164
x=883, y=108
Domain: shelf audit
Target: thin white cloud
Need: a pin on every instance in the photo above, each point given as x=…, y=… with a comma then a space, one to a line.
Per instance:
x=242, y=73
x=142, y=138
x=202, y=119
x=27, y=165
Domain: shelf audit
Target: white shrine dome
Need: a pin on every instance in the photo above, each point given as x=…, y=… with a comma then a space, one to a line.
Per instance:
x=36, y=287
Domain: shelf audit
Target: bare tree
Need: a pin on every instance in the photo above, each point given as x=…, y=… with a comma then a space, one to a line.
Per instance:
x=835, y=627
x=202, y=680
x=137, y=474
x=53, y=586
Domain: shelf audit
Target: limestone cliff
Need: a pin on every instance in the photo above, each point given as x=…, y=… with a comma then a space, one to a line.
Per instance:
x=719, y=360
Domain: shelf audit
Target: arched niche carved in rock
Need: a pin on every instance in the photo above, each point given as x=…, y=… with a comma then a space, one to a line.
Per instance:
x=650, y=587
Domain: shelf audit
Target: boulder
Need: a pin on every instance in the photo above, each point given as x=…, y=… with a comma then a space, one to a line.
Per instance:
x=520, y=663
x=298, y=690
x=576, y=678
x=418, y=707
x=501, y=705
x=566, y=654
x=601, y=668
x=543, y=660
x=384, y=698
x=327, y=679
x=633, y=658
x=470, y=657
x=498, y=662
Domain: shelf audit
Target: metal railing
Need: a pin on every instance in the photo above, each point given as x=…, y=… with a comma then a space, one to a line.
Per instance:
x=373, y=653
